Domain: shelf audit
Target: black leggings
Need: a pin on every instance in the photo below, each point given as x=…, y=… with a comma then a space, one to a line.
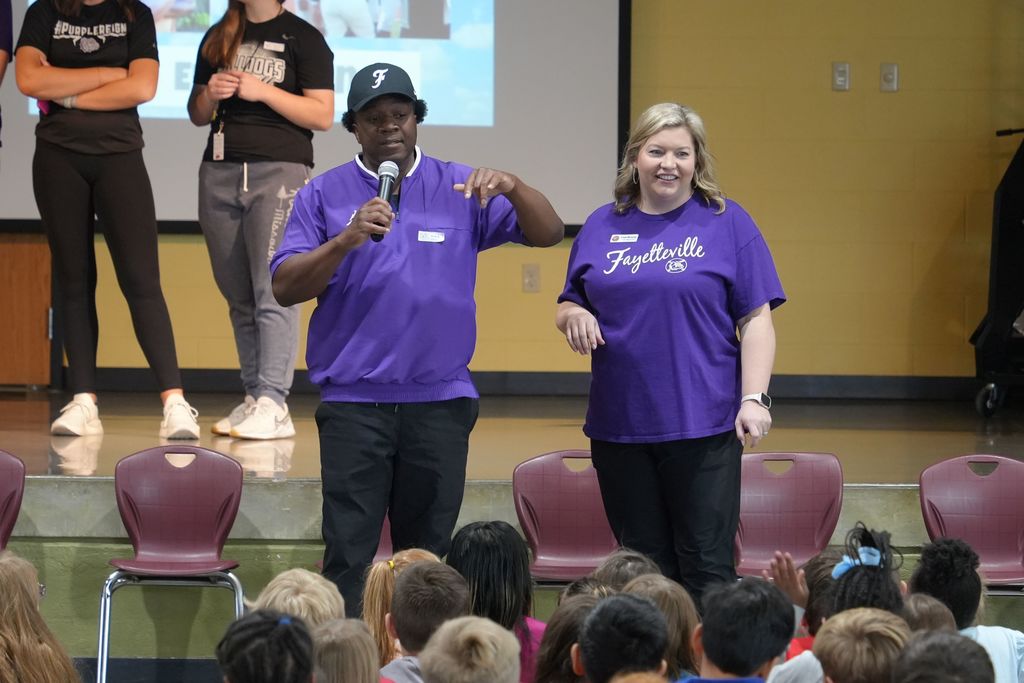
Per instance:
x=71, y=189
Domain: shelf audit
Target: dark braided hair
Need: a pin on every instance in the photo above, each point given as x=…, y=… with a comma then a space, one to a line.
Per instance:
x=266, y=647
x=868, y=585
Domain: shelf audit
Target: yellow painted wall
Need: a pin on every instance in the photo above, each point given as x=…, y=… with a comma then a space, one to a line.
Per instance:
x=877, y=206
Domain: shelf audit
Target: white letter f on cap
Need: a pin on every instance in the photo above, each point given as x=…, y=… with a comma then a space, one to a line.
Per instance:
x=379, y=75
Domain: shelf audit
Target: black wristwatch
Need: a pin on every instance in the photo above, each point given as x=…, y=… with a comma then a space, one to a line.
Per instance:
x=764, y=399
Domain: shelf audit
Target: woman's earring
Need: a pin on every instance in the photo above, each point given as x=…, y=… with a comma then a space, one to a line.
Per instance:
x=636, y=177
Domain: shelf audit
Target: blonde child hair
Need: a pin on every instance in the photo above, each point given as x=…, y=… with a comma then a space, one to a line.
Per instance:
x=377, y=594
x=301, y=593
x=344, y=652
x=470, y=650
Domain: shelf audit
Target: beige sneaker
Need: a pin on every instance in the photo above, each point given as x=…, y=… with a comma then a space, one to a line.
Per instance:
x=78, y=418
x=179, y=419
x=267, y=421
x=243, y=410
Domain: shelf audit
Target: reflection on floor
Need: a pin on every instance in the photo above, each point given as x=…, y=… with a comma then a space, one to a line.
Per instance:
x=877, y=441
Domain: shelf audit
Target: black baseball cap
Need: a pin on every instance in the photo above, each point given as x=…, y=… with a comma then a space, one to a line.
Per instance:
x=378, y=79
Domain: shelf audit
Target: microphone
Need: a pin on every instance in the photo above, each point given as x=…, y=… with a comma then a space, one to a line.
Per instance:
x=388, y=174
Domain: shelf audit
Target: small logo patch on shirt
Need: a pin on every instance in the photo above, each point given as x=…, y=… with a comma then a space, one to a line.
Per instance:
x=272, y=46
x=430, y=236
x=625, y=238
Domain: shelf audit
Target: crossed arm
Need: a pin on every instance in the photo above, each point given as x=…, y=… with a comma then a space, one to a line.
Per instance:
x=98, y=88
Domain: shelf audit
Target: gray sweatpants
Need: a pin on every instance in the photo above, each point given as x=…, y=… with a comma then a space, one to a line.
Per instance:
x=243, y=210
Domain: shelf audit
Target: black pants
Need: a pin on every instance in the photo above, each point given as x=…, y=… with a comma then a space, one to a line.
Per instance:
x=677, y=502
x=406, y=460
x=71, y=189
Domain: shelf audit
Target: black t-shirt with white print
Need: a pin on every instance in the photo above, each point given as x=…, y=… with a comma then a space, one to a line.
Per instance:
x=292, y=55
x=101, y=35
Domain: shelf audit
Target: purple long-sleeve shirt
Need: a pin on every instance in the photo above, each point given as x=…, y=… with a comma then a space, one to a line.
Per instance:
x=397, y=321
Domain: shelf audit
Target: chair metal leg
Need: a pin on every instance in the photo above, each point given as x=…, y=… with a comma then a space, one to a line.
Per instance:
x=113, y=582
x=236, y=588
x=122, y=578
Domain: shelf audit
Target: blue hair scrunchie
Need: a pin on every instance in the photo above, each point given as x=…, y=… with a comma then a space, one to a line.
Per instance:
x=284, y=621
x=869, y=557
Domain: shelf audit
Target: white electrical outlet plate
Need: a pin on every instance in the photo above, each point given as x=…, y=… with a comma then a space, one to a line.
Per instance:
x=840, y=75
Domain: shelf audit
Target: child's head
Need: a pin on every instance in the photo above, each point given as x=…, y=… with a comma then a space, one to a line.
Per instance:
x=860, y=645
x=26, y=642
x=818, y=575
x=302, y=593
x=922, y=612
x=622, y=566
x=471, y=650
x=747, y=625
x=495, y=561
x=378, y=591
x=344, y=652
x=266, y=647
x=623, y=633
x=427, y=594
x=680, y=615
x=554, y=657
x=948, y=570
x=586, y=585
x=943, y=657
x=867, y=575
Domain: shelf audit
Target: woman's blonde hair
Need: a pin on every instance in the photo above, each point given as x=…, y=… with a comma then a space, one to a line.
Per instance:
x=344, y=652
x=654, y=120
x=29, y=652
x=302, y=593
x=378, y=591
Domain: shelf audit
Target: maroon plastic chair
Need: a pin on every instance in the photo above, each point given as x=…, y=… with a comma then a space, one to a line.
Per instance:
x=178, y=504
x=795, y=510
x=12, y=488
x=562, y=515
x=978, y=499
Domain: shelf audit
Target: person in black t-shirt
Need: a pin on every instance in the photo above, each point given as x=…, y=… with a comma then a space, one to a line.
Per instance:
x=90, y=63
x=264, y=81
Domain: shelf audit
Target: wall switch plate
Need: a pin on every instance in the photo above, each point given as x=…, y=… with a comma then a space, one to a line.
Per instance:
x=531, y=278
x=889, y=78
x=840, y=75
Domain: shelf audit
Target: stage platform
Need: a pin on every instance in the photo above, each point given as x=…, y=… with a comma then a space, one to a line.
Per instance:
x=69, y=525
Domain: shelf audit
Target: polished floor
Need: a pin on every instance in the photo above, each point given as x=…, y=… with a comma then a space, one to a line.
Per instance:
x=877, y=441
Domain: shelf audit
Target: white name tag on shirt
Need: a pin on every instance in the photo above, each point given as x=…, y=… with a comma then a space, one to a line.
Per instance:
x=273, y=47
x=625, y=238
x=430, y=236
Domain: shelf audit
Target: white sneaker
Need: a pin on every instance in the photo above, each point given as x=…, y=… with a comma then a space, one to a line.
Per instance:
x=243, y=410
x=267, y=421
x=78, y=418
x=179, y=419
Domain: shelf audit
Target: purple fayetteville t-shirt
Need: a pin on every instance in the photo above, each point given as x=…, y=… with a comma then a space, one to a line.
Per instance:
x=667, y=291
x=397, y=322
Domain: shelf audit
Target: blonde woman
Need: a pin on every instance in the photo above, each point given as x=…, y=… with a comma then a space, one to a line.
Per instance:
x=670, y=289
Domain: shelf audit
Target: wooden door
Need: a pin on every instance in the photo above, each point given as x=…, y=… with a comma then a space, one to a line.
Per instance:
x=25, y=308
